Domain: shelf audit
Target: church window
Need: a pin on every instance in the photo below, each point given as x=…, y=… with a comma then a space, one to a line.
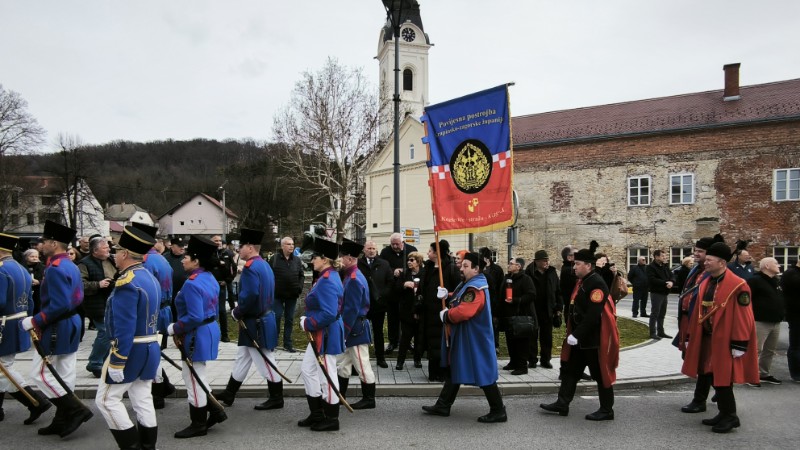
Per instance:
x=408, y=80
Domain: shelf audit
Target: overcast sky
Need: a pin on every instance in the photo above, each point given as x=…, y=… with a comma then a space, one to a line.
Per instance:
x=181, y=69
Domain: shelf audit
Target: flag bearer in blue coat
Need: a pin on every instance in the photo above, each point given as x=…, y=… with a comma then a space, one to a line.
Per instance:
x=356, y=326
x=15, y=304
x=322, y=318
x=59, y=328
x=470, y=349
x=256, y=296
x=160, y=268
x=196, y=329
x=131, y=323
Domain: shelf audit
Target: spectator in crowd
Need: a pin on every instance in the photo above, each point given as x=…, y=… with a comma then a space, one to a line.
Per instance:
x=520, y=303
x=432, y=305
x=567, y=278
x=682, y=272
x=83, y=247
x=605, y=269
x=175, y=259
x=659, y=278
x=289, y=276
x=790, y=285
x=36, y=269
x=73, y=254
x=98, y=274
x=379, y=278
x=223, y=271
x=410, y=309
x=494, y=275
x=742, y=264
x=638, y=278
x=396, y=254
x=548, y=306
x=768, y=312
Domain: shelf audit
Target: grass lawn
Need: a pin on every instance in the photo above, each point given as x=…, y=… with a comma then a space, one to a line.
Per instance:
x=631, y=332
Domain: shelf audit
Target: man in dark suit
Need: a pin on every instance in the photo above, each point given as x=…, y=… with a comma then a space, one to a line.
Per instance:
x=396, y=254
x=380, y=280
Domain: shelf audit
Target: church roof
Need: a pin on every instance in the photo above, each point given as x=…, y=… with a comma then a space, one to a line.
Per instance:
x=410, y=13
x=777, y=101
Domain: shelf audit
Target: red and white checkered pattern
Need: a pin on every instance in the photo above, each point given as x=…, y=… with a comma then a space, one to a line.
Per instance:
x=501, y=158
x=440, y=172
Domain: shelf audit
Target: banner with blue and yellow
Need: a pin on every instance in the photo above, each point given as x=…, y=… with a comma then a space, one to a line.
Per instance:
x=470, y=162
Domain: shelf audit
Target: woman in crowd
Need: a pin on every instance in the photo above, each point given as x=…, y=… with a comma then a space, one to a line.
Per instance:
x=410, y=309
x=36, y=269
x=431, y=305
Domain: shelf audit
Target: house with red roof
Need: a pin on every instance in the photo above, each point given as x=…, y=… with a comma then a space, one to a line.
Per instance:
x=199, y=214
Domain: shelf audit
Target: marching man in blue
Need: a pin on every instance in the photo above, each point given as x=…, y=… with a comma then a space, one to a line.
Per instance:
x=196, y=330
x=131, y=314
x=59, y=327
x=160, y=268
x=256, y=295
x=323, y=321
x=356, y=326
x=470, y=350
x=15, y=305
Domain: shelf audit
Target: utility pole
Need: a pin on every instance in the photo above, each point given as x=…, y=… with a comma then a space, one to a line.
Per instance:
x=224, y=213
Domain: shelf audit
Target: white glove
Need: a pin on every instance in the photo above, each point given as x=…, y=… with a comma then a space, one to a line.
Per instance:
x=441, y=292
x=737, y=353
x=303, y=323
x=116, y=375
x=233, y=314
x=441, y=313
x=27, y=323
x=171, y=329
x=572, y=340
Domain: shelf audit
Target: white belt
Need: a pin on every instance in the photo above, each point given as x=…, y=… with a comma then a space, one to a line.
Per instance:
x=145, y=339
x=19, y=315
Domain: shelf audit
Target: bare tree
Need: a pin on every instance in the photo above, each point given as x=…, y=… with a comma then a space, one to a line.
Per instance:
x=78, y=203
x=330, y=128
x=19, y=133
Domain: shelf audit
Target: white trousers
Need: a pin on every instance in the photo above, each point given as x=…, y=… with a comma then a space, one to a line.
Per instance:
x=5, y=384
x=197, y=397
x=159, y=373
x=247, y=356
x=357, y=355
x=314, y=379
x=109, y=402
x=45, y=381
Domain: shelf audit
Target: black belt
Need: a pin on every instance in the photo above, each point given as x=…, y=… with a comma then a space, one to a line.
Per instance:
x=209, y=320
x=64, y=316
x=164, y=304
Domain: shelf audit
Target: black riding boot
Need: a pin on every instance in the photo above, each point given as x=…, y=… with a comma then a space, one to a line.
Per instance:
x=198, y=425
x=343, y=384
x=148, y=437
x=161, y=390
x=228, y=396
x=701, y=390
x=368, y=397
x=35, y=411
x=497, y=412
x=331, y=421
x=76, y=414
x=127, y=439
x=215, y=415
x=59, y=420
x=566, y=392
x=606, y=411
x=2, y=413
x=317, y=415
x=446, y=399
x=275, y=400
x=727, y=419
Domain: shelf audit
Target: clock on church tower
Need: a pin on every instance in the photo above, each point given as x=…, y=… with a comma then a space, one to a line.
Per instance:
x=408, y=34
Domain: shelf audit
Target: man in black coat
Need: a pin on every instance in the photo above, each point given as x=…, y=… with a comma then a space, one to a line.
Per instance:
x=638, y=278
x=547, y=303
x=567, y=278
x=494, y=275
x=174, y=257
x=224, y=271
x=768, y=311
x=380, y=280
x=790, y=284
x=289, y=276
x=396, y=254
x=523, y=293
x=659, y=278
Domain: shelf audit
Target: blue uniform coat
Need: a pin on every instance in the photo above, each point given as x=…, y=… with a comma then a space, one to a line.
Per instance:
x=160, y=268
x=471, y=353
x=323, y=307
x=256, y=296
x=132, y=310
x=15, y=297
x=196, y=305
x=355, y=308
x=61, y=293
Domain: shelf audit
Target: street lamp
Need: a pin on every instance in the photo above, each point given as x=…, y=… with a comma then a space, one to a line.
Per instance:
x=394, y=13
x=224, y=214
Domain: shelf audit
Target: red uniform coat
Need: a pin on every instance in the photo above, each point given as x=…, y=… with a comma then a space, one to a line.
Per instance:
x=732, y=323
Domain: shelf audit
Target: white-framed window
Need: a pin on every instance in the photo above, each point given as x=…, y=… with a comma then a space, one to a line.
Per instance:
x=681, y=189
x=676, y=255
x=785, y=254
x=639, y=191
x=411, y=152
x=633, y=256
x=786, y=185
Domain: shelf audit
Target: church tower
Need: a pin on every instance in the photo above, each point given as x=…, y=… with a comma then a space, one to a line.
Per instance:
x=414, y=44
